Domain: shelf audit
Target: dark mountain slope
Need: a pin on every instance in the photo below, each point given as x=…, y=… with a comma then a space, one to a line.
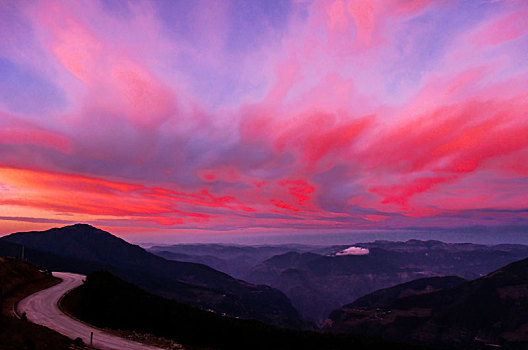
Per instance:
x=88, y=243
x=415, y=287
x=489, y=310
x=192, y=283
x=198, y=296
x=318, y=284
x=106, y=301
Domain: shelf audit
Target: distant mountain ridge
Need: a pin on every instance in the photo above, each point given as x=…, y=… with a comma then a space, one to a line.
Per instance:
x=235, y=260
x=191, y=283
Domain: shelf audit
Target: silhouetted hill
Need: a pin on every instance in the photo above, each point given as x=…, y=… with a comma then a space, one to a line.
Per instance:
x=191, y=283
x=489, y=310
x=51, y=261
x=106, y=301
x=318, y=284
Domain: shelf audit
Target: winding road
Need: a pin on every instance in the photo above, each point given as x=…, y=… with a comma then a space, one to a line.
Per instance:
x=41, y=308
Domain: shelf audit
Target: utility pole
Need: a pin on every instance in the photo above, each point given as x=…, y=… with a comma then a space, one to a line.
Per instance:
x=22, y=253
x=91, y=338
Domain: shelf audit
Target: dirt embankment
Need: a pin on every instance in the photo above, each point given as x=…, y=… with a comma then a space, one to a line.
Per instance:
x=19, y=279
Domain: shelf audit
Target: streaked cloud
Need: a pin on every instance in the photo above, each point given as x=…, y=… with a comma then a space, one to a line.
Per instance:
x=333, y=115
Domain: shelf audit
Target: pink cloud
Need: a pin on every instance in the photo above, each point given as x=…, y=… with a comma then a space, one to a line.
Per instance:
x=503, y=29
x=348, y=114
x=12, y=135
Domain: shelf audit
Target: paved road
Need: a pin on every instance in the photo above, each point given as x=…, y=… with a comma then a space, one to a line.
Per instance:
x=41, y=308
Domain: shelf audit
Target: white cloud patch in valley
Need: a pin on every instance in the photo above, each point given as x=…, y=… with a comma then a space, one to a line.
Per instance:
x=353, y=251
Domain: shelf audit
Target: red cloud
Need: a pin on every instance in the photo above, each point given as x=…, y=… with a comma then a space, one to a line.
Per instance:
x=31, y=136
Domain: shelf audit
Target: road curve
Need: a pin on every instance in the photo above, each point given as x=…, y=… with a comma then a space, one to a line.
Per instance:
x=41, y=308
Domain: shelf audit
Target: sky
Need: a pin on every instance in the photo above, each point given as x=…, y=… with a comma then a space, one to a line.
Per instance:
x=187, y=119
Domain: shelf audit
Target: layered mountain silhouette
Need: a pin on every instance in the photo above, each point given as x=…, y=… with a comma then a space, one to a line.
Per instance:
x=84, y=248
x=318, y=283
x=395, y=291
x=235, y=260
x=489, y=312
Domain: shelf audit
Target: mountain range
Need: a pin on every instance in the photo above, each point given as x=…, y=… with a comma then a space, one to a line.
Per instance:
x=321, y=281
x=235, y=260
x=429, y=293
